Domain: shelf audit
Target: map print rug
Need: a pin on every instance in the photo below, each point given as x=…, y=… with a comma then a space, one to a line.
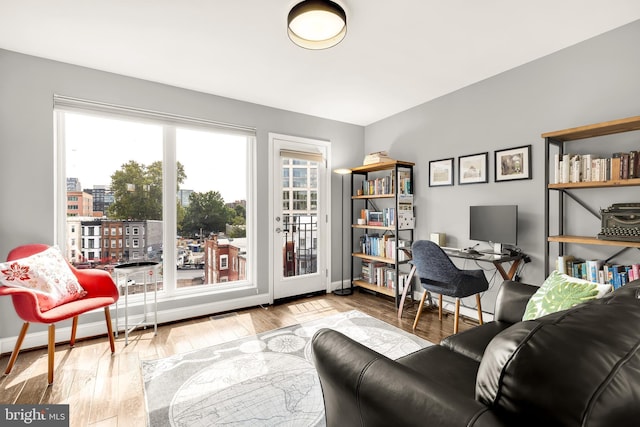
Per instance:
x=264, y=380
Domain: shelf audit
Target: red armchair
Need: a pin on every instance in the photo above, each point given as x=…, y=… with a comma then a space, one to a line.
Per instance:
x=101, y=292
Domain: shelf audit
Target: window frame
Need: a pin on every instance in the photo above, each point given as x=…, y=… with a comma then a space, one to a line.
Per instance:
x=170, y=123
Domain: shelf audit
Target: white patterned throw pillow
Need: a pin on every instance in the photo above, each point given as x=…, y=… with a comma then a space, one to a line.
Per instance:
x=560, y=292
x=47, y=274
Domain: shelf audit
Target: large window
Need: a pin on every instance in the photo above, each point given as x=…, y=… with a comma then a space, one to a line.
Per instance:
x=180, y=186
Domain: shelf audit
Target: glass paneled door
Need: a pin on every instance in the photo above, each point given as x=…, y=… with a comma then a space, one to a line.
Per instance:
x=299, y=217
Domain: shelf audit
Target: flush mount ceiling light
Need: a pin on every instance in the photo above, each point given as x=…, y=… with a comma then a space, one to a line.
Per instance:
x=317, y=24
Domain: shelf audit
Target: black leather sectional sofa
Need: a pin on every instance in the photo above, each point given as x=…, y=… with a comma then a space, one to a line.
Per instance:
x=578, y=367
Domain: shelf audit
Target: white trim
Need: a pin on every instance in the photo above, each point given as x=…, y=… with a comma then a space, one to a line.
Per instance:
x=169, y=209
x=98, y=328
x=67, y=103
x=170, y=123
x=326, y=182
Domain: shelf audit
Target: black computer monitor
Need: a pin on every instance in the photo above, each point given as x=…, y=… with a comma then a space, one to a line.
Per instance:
x=495, y=224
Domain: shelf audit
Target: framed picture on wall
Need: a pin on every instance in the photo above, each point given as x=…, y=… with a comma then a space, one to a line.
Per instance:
x=472, y=169
x=513, y=163
x=441, y=172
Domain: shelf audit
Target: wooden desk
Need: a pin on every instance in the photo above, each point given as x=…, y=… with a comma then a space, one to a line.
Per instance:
x=496, y=260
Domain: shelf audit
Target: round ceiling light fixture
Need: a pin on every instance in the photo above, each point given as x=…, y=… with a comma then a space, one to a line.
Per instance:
x=317, y=24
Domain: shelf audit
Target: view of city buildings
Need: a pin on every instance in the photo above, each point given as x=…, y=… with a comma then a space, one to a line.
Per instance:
x=96, y=241
x=300, y=216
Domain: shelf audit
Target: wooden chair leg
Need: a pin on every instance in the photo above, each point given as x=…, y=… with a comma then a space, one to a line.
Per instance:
x=424, y=296
x=456, y=317
x=107, y=315
x=479, y=308
x=16, y=349
x=52, y=348
x=74, y=328
x=440, y=307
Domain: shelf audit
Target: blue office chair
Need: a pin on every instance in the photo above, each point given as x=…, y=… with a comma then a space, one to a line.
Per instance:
x=438, y=274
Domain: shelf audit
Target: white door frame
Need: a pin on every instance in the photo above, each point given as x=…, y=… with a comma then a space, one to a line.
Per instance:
x=327, y=204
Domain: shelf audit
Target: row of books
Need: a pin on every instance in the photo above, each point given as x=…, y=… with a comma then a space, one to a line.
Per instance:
x=588, y=167
x=383, y=246
x=378, y=186
x=386, y=217
x=380, y=274
x=598, y=271
x=386, y=185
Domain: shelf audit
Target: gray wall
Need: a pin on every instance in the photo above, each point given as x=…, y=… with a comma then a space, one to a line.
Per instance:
x=591, y=82
x=594, y=81
x=27, y=86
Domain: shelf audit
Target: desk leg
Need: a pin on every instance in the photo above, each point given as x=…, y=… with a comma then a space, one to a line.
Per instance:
x=407, y=286
x=512, y=270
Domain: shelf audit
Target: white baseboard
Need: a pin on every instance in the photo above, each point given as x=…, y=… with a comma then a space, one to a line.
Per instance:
x=93, y=329
x=450, y=306
x=471, y=313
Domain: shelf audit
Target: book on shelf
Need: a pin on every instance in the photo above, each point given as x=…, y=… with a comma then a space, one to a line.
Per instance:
x=562, y=265
x=404, y=182
x=633, y=164
x=372, y=272
x=378, y=186
x=578, y=268
x=382, y=274
x=593, y=267
x=375, y=245
x=389, y=217
x=598, y=271
x=376, y=218
x=616, y=164
x=404, y=254
x=624, y=166
x=573, y=168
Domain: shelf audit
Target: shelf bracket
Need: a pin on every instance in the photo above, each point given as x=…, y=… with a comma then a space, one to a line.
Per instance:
x=621, y=251
x=583, y=204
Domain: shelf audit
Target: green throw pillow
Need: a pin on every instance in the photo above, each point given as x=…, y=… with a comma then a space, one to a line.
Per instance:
x=560, y=292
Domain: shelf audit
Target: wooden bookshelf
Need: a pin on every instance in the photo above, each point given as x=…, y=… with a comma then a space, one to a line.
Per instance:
x=393, y=198
x=374, y=196
x=560, y=140
x=374, y=227
x=380, y=289
x=599, y=129
x=586, y=240
x=382, y=166
x=373, y=258
x=596, y=184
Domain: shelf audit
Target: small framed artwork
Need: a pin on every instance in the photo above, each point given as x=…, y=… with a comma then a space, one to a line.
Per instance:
x=513, y=163
x=441, y=172
x=472, y=169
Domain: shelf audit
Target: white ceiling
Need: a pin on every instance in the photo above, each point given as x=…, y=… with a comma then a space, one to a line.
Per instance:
x=396, y=55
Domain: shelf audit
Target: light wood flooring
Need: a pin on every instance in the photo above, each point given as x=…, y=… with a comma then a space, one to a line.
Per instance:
x=106, y=390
